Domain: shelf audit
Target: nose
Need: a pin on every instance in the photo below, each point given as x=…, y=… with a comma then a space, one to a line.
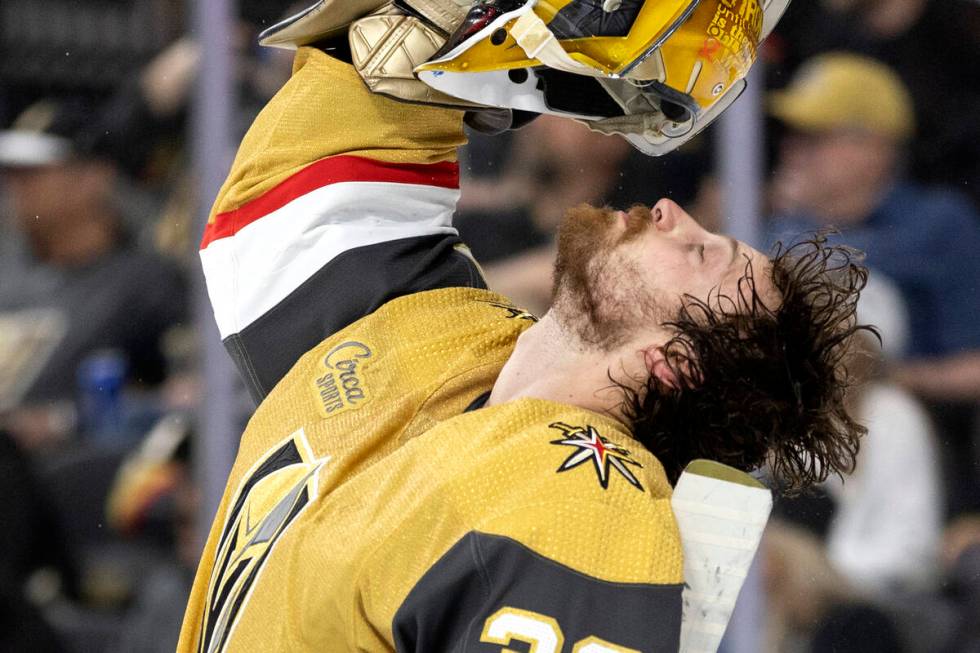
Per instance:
x=669, y=216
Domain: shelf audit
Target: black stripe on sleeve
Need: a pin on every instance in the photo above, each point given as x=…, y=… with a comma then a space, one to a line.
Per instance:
x=352, y=285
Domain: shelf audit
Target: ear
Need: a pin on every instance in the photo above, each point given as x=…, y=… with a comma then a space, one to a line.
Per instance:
x=657, y=365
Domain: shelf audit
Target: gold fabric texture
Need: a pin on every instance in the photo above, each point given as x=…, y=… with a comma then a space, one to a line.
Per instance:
x=391, y=472
x=287, y=135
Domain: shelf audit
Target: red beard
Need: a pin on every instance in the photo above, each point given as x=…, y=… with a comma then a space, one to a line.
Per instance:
x=586, y=237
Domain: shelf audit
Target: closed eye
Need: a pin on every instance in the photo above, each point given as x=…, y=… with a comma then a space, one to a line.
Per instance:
x=701, y=252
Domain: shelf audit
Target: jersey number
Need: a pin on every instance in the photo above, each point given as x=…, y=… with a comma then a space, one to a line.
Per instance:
x=540, y=631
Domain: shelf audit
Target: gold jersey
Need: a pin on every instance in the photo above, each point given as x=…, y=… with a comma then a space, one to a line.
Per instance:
x=374, y=505
x=368, y=510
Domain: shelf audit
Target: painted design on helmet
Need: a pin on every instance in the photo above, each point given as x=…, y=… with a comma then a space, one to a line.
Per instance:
x=657, y=71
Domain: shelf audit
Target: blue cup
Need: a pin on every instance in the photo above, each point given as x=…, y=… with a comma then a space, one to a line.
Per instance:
x=101, y=377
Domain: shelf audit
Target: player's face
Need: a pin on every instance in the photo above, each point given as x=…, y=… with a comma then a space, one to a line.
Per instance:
x=677, y=256
x=629, y=269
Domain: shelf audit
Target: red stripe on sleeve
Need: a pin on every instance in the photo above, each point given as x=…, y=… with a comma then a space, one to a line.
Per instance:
x=322, y=173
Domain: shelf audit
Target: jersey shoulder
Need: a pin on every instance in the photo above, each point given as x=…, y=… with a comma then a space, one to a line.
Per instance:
x=556, y=515
x=572, y=486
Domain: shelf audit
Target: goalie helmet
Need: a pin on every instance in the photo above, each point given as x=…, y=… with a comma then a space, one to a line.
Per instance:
x=655, y=71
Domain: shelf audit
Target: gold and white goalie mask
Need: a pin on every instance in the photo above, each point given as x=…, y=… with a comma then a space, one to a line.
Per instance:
x=655, y=71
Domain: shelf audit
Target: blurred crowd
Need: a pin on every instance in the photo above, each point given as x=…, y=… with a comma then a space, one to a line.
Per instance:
x=871, y=138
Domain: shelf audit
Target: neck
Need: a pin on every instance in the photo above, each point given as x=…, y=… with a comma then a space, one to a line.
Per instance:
x=551, y=363
x=77, y=242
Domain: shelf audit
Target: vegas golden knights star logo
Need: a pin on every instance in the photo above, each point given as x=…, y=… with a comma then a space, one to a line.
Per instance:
x=270, y=497
x=604, y=454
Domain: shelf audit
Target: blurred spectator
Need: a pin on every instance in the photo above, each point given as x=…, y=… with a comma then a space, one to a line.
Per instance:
x=509, y=219
x=932, y=45
x=76, y=259
x=886, y=529
x=31, y=540
x=810, y=606
x=841, y=166
x=961, y=557
x=879, y=528
x=550, y=165
x=154, y=500
x=491, y=214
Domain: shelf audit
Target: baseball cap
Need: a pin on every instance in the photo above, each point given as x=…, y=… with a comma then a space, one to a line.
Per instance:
x=48, y=132
x=840, y=90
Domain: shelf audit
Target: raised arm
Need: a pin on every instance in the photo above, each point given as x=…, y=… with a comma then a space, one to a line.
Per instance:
x=338, y=201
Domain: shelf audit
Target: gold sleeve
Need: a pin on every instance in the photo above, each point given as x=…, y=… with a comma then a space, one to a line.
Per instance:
x=326, y=110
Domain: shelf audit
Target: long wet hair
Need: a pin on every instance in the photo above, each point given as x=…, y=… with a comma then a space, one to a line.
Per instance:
x=759, y=385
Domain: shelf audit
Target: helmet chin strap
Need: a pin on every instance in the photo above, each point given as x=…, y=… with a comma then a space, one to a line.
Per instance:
x=644, y=129
x=538, y=42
